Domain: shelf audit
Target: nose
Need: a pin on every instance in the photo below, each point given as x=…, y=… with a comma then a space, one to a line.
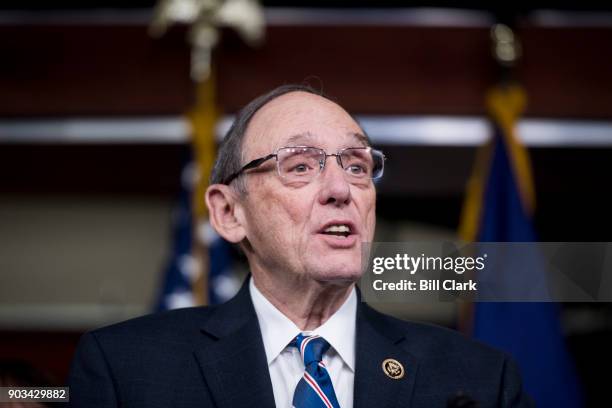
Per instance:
x=335, y=189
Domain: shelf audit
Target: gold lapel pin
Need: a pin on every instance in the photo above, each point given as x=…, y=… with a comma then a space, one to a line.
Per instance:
x=393, y=368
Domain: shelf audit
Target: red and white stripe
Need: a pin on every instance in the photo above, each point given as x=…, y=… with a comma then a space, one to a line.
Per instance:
x=305, y=342
x=313, y=384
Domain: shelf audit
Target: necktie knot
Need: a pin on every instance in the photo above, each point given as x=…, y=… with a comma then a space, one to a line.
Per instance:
x=311, y=348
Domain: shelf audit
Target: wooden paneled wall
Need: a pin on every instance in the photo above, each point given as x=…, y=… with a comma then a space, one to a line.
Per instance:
x=119, y=70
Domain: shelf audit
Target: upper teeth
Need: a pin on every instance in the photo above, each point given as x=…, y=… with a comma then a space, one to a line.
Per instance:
x=338, y=228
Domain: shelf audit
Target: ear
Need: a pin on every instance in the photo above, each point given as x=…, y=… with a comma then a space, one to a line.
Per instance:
x=223, y=206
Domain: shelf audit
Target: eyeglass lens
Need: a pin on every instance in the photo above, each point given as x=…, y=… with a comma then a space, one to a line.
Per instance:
x=304, y=163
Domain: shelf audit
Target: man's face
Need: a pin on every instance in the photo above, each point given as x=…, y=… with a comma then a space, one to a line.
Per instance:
x=288, y=225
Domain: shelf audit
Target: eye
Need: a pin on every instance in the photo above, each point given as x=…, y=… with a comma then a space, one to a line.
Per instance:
x=300, y=168
x=357, y=170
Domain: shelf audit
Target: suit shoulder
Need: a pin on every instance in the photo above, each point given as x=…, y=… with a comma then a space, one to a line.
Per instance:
x=168, y=324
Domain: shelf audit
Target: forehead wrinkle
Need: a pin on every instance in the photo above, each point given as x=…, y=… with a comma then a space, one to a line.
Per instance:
x=308, y=137
x=277, y=110
x=300, y=138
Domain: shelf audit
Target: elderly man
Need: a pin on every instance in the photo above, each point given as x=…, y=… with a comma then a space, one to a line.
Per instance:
x=293, y=187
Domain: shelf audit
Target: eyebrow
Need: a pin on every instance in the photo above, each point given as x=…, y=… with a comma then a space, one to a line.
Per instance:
x=361, y=138
x=308, y=137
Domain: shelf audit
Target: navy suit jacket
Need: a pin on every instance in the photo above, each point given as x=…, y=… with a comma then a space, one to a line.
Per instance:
x=214, y=357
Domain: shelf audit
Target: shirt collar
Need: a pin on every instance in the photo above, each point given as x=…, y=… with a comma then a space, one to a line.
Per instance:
x=339, y=330
x=278, y=330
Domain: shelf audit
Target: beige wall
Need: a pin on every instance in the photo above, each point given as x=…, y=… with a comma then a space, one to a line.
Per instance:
x=74, y=262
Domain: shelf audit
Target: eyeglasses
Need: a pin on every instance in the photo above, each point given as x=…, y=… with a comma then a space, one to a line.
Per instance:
x=303, y=163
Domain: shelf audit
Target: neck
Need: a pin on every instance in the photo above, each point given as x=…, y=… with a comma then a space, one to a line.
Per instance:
x=306, y=302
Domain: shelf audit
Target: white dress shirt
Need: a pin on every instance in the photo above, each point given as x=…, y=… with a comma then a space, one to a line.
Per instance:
x=285, y=363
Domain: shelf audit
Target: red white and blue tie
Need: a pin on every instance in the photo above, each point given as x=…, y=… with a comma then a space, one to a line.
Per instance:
x=315, y=389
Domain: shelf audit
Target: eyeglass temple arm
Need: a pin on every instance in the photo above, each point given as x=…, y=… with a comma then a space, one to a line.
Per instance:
x=250, y=165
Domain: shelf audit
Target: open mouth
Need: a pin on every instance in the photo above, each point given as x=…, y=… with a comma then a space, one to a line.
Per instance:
x=339, y=230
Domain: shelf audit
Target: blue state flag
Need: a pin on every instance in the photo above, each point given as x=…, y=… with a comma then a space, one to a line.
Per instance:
x=498, y=209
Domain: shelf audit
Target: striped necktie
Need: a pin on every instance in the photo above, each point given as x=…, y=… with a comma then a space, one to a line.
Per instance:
x=315, y=389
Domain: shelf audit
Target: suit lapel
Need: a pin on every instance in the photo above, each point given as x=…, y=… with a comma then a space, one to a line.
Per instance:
x=232, y=357
x=233, y=362
x=377, y=341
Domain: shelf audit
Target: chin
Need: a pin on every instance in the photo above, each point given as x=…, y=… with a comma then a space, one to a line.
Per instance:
x=340, y=273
